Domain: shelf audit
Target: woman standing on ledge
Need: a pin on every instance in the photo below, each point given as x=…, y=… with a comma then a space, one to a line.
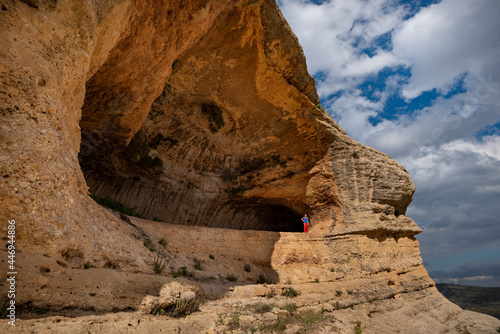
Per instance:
x=305, y=220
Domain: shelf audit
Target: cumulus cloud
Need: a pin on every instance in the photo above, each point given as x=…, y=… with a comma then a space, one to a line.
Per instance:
x=446, y=40
x=334, y=34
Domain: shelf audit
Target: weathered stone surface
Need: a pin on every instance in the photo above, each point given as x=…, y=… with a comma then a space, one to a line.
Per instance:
x=199, y=114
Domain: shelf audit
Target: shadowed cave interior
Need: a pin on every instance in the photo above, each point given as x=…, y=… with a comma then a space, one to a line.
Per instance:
x=149, y=185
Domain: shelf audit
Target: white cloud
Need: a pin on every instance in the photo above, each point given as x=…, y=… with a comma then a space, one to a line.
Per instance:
x=446, y=40
x=478, y=278
x=364, y=66
x=334, y=33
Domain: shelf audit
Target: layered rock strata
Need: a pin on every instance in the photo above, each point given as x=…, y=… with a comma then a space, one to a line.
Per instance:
x=193, y=113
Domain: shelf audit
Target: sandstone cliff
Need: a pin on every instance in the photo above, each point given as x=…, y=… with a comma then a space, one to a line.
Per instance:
x=202, y=116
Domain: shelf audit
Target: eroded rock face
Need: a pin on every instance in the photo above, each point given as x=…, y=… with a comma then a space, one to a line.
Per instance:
x=194, y=113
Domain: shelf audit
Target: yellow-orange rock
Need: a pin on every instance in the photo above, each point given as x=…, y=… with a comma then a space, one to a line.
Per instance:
x=200, y=115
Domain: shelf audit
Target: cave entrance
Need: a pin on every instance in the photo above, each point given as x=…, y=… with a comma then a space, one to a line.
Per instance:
x=267, y=216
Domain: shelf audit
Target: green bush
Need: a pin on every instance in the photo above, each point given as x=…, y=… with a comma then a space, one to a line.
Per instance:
x=263, y=308
x=357, y=328
x=236, y=319
x=182, y=272
x=231, y=278
x=163, y=242
x=247, y=268
x=181, y=308
x=264, y=279
x=159, y=264
x=197, y=264
x=116, y=205
x=42, y=310
x=290, y=307
x=289, y=292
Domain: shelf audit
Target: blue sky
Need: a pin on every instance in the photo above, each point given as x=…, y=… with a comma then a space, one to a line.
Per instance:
x=420, y=81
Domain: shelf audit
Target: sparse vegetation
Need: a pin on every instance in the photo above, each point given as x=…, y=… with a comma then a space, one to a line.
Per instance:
x=42, y=310
x=316, y=280
x=163, y=241
x=349, y=292
x=371, y=300
x=197, y=264
x=309, y=317
x=355, y=155
x=181, y=308
x=338, y=293
x=116, y=205
x=277, y=327
x=236, y=320
x=231, y=278
x=86, y=265
x=289, y=292
x=149, y=245
x=182, y=272
x=462, y=329
x=211, y=257
x=271, y=293
x=159, y=264
x=264, y=279
x=290, y=307
x=262, y=308
x=320, y=108
x=247, y=268
x=357, y=328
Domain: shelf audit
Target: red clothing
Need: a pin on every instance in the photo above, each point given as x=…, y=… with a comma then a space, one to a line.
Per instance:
x=306, y=228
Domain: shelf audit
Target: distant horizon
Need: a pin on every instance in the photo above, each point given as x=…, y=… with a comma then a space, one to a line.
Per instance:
x=411, y=80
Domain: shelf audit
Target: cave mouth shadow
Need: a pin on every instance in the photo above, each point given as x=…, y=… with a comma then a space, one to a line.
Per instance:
x=268, y=215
